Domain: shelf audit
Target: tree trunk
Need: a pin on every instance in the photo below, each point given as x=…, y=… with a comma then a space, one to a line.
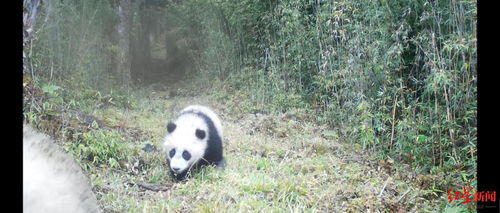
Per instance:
x=123, y=29
x=141, y=52
x=30, y=12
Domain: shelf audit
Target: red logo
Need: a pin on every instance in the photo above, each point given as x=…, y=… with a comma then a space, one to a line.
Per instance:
x=467, y=192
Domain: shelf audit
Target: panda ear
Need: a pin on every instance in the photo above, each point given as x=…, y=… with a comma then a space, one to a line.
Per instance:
x=200, y=134
x=171, y=127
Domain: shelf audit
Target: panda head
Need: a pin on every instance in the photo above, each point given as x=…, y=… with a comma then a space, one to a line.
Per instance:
x=186, y=142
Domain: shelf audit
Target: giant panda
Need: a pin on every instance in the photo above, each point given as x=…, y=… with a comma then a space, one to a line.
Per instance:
x=52, y=181
x=193, y=140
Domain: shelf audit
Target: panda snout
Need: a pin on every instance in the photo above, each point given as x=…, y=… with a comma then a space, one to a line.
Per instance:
x=176, y=169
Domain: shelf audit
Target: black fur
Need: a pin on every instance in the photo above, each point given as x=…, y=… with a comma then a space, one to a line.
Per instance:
x=171, y=127
x=200, y=134
x=213, y=152
x=171, y=153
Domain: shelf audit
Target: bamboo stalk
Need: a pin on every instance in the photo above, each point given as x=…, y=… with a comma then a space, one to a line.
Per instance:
x=393, y=121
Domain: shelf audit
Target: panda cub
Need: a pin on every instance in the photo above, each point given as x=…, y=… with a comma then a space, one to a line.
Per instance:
x=193, y=140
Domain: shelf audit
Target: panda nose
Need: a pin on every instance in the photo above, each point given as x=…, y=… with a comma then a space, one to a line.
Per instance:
x=176, y=169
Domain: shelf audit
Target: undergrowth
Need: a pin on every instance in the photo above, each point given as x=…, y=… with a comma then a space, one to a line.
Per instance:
x=99, y=147
x=395, y=77
x=278, y=162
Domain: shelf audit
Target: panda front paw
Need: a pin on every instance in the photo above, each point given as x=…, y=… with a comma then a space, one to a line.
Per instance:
x=220, y=165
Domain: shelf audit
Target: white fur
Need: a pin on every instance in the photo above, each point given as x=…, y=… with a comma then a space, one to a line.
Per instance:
x=52, y=181
x=184, y=138
x=211, y=114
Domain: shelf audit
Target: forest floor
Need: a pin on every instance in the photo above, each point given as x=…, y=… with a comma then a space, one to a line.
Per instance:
x=275, y=162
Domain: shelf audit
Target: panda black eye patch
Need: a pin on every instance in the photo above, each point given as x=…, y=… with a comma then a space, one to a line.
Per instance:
x=171, y=127
x=172, y=153
x=186, y=155
x=200, y=134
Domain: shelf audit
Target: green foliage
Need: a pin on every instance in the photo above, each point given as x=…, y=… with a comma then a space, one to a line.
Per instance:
x=399, y=77
x=457, y=209
x=99, y=147
x=51, y=90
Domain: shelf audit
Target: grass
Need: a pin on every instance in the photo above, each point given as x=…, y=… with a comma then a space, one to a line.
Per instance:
x=276, y=163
